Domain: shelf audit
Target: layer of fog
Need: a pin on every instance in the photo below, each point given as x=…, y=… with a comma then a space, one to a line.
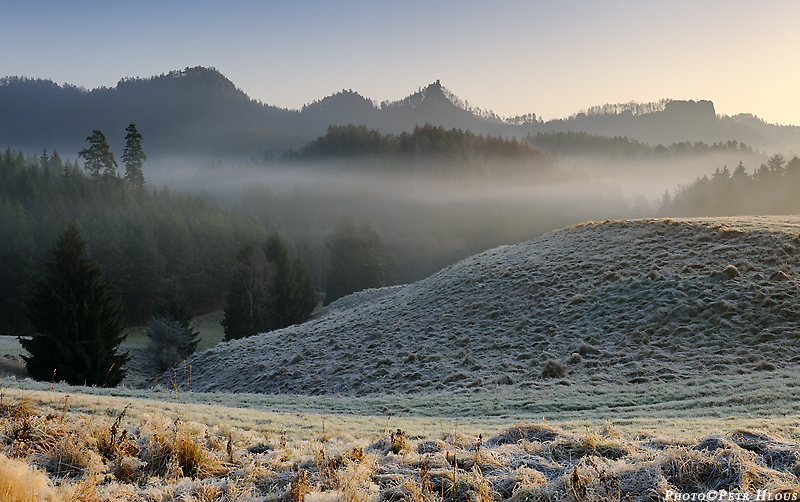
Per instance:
x=431, y=219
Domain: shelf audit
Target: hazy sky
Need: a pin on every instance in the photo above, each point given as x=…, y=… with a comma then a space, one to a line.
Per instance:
x=551, y=58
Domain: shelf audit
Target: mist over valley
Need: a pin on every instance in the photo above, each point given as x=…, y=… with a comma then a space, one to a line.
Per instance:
x=411, y=300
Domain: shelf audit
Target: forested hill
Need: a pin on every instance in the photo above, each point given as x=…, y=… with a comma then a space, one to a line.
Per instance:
x=427, y=148
x=199, y=111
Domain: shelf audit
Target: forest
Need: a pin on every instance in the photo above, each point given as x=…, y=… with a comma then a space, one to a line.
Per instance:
x=428, y=197
x=454, y=151
x=142, y=238
x=771, y=189
x=582, y=143
x=148, y=237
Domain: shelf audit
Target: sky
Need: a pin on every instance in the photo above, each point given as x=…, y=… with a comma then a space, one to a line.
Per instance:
x=548, y=57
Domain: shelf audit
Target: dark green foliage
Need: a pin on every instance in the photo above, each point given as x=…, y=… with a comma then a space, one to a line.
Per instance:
x=359, y=259
x=428, y=147
x=307, y=298
x=133, y=155
x=98, y=156
x=582, y=143
x=285, y=306
x=138, y=240
x=170, y=343
x=78, y=331
x=293, y=289
x=249, y=298
x=772, y=189
x=268, y=291
x=173, y=305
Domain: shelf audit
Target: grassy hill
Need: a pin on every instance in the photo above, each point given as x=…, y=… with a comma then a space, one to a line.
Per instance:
x=618, y=302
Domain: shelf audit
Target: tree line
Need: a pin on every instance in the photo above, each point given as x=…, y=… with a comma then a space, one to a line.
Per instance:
x=427, y=147
x=771, y=189
x=142, y=237
x=582, y=143
x=159, y=256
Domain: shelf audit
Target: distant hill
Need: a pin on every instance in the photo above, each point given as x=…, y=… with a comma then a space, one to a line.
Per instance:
x=199, y=111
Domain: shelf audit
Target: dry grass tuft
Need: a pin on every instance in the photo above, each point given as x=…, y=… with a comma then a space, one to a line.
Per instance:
x=539, y=433
x=79, y=458
x=554, y=369
x=19, y=482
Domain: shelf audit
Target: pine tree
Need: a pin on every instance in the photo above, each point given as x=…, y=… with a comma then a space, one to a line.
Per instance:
x=134, y=158
x=98, y=156
x=307, y=298
x=78, y=331
x=269, y=290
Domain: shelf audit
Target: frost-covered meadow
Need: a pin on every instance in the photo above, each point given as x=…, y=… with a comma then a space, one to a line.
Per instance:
x=622, y=360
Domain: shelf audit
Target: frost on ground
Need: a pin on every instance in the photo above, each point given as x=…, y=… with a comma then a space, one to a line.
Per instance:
x=625, y=302
x=52, y=454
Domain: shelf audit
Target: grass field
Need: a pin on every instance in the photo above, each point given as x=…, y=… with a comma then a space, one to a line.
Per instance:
x=607, y=443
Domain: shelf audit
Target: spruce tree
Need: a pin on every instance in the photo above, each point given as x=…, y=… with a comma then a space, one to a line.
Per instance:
x=268, y=291
x=284, y=289
x=78, y=331
x=307, y=298
x=133, y=155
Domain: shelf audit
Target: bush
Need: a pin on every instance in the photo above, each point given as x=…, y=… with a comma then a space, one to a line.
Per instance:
x=554, y=369
x=170, y=343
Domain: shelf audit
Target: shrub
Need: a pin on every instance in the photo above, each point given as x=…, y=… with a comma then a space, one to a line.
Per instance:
x=554, y=369
x=170, y=343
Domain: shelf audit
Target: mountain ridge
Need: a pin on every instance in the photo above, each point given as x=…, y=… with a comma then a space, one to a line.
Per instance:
x=199, y=110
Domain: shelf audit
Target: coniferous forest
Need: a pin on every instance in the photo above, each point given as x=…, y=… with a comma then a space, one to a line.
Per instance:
x=771, y=189
x=142, y=236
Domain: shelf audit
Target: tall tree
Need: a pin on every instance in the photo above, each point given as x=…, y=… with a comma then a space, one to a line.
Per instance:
x=268, y=291
x=307, y=298
x=293, y=290
x=78, y=331
x=284, y=288
x=98, y=157
x=249, y=298
x=133, y=155
x=359, y=259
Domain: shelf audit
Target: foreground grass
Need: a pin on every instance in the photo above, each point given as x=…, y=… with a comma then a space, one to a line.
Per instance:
x=636, y=442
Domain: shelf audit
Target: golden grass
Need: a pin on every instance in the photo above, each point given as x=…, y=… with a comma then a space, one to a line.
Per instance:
x=20, y=482
x=56, y=449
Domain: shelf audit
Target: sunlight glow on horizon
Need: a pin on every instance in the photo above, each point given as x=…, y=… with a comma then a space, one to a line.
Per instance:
x=512, y=57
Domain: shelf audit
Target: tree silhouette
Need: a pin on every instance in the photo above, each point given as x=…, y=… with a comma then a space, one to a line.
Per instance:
x=359, y=259
x=78, y=331
x=134, y=158
x=98, y=157
x=293, y=289
x=249, y=299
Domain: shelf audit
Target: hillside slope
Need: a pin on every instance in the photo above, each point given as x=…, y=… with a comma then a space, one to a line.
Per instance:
x=614, y=302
